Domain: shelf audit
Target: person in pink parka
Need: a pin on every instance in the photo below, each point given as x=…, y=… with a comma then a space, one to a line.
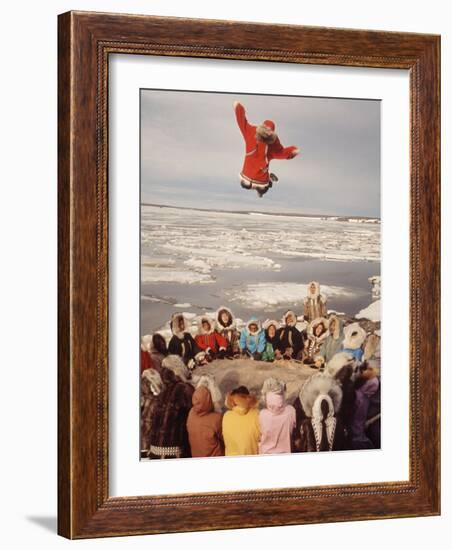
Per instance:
x=277, y=420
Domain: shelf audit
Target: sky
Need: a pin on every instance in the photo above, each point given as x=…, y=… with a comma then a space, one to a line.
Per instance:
x=192, y=152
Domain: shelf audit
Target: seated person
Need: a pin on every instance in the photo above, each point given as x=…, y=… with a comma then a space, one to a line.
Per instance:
x=252, y=340
x=209, y=340
x=183, y=344
x=290, y=339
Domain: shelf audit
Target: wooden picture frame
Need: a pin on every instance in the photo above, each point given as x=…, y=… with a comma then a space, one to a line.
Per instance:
x=85, y=42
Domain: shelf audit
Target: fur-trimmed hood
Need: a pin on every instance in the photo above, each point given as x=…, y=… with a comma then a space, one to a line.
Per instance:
x=338, y=361
x=314, y=294
x=338, y=329
x=269, y=322
x=154, y=380
x=273, y=385
x=211, y=322
x=175, y=364
x=146, y=342
x=320, y=384
x=220, y=325
x=240, y=402
x=274, y=395
x=174, y=325
x=314, y=324
x=354, y=336
x=290, y=312
x=253, y=321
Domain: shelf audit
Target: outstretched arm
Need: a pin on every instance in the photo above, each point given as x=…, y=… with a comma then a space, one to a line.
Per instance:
x=241, y=117
x=277, y=151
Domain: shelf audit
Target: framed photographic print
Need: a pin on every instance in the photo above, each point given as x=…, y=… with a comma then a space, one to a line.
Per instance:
x=248, y=274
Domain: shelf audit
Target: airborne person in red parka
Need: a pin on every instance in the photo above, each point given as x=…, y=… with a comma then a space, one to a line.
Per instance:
x=262, y=145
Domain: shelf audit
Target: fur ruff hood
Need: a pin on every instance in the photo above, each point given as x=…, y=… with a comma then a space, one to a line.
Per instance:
x=354, y=336
x=253, y=321
x=175, y=364
x=211, y=322
x=320, y=384
x=314, y=324
x=220, y=326
x=269, y=322
x=338, y=329
x=273, y=385
x=154, y=380
x=241, y=402
x=146, y=342
x=290, y=312
x=314, y=294
x=174, y=325
x=338, y=361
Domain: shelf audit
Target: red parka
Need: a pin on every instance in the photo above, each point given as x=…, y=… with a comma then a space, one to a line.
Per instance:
x=210, y=340
x=259, y=154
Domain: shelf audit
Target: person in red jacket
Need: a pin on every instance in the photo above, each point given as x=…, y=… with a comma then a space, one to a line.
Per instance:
x=209, y=340
x=261, y=146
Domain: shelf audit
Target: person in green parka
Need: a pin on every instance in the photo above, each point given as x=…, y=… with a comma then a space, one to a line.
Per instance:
x=271, y=338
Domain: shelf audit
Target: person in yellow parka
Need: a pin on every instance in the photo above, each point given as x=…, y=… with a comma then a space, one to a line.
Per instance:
x=240, y=428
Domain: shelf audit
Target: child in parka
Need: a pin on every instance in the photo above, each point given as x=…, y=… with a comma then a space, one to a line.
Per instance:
x=317, y=334
x=226, y=327
x=252, y=340
x=210, y=341
x=271, y=340
x=183, y=344
x=290, y=339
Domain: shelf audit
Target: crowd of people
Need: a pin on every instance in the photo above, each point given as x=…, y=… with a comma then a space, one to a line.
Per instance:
x=185, y=415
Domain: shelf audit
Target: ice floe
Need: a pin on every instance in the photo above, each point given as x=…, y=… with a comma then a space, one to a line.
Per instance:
x=274, y=294
x=372, y=312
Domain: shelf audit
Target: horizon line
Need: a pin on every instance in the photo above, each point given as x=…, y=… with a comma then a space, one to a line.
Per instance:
x=291, y=214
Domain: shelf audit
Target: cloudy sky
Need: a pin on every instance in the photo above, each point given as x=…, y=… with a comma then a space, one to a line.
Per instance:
x=192, y=152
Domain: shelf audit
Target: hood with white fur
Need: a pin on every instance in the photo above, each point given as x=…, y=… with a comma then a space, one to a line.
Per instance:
x=290, y=312
x=174, y=325
x=338, y=329
x=154, y=380
x=354, y=336
x=316, y=292
x=253, y=321
x=146, y=342
x=320, y=384
x=338, y=361
x=220, y=325
x=211, y=322
x=314, y=324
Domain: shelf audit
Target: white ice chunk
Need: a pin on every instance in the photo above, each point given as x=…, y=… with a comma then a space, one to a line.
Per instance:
x=371, y=312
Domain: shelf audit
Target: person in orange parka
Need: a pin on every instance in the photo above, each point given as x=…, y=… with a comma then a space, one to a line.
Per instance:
x=261, y=146
x=209, y=340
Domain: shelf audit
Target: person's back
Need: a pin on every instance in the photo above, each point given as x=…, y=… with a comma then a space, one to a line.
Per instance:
x=241, y=423
x=204, y=426
x=276, y=424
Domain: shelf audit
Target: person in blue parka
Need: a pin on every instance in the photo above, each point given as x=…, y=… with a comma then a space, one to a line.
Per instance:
x=252, y=339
